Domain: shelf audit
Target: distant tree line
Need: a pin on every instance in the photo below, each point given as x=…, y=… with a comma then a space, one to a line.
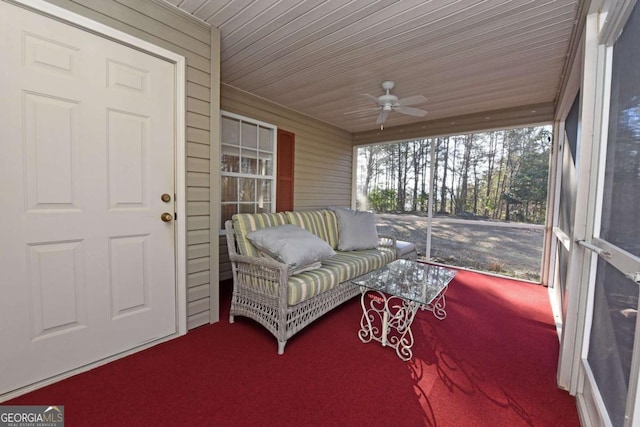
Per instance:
x=499, y=175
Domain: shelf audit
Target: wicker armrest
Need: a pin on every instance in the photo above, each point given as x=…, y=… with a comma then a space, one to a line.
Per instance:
x=261, y=275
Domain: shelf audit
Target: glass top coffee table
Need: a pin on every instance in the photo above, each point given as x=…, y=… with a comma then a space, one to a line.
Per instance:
x=391, y=297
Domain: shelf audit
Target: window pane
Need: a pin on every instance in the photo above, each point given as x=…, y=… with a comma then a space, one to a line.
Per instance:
x=228, y=210
x=247, y=208
x=249, y=162
x=612, y=336
x=621, y=202
x=230, y=131
x=249, y=135
x=265, y=165
x=266, y=139
x=229, y=190
x=247, y=189
x=568, y=181
x=230, y=159
x=264, y=192
x=265, y=208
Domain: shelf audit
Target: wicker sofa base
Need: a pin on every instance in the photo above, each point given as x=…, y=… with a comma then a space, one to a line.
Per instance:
x=261, y=288
x=285, y=322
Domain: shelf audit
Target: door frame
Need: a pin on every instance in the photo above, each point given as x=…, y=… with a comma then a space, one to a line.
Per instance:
x=60, y=14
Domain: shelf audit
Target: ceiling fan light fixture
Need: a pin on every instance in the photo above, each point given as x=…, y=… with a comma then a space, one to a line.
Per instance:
x=387, y=103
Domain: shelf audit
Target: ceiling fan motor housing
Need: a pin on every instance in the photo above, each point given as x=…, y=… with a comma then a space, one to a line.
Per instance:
x=387, y=99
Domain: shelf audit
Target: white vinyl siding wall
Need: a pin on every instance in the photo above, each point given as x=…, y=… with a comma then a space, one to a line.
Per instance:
x=163, y=26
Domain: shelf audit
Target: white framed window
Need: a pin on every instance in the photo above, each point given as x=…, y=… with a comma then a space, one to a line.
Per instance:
x=247, y=166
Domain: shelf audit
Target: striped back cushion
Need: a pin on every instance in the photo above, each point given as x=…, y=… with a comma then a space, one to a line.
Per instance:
x=312, y=221
x=332, y=228
x=246, y=223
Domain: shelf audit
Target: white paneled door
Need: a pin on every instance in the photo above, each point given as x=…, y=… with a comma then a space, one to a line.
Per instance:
x=87, y=265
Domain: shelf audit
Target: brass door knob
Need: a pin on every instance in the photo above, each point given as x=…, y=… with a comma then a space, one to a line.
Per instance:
x=165, y=198
x=166, y=217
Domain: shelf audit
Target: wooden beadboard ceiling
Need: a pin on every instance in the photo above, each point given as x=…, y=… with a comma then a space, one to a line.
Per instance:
x=465, y=56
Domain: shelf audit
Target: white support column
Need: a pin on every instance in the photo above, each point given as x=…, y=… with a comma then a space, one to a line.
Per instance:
x=214, y=179
x=432, y=169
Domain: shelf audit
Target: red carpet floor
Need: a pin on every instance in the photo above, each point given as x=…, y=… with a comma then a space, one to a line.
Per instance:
x=491, y=362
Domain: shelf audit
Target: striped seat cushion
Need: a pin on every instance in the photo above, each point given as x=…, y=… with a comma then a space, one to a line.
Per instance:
x=335, y=270
x=313, y=221
x=352, y=264
x=306, y=285
x=245, y=223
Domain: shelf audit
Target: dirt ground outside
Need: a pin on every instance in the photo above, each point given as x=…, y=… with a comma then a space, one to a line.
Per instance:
x=477, y=244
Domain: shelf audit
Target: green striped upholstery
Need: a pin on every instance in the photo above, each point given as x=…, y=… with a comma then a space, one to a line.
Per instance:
x=312, y=221
x=332, y=228
x=356, y=263
x=306, y=285
x=335, y=270
x=323, y=223
x=246, y=223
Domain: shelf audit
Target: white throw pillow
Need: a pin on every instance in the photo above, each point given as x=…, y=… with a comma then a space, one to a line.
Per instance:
x=291, y=245
x=356, y=230
x=297, y=270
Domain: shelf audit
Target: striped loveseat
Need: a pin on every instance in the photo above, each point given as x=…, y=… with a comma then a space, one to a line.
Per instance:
x=266, y=290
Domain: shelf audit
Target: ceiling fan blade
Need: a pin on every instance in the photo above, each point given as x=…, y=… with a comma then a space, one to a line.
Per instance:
x=412, y=100
x=411, y=111
x=362, y=110
x=382, y=117
x=370, y=97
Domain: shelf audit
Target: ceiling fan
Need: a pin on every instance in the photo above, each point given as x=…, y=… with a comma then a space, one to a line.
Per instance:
x=388, y=102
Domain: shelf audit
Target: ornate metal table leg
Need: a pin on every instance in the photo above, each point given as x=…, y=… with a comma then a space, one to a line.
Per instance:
x=367, y=330
x=401, y=321
x=438, y=306
x=395, y=316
